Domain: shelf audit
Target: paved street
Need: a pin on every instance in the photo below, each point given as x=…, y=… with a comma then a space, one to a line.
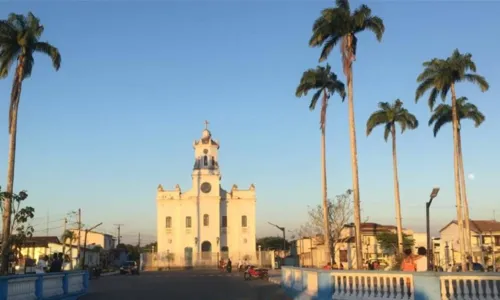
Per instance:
x=183, y=285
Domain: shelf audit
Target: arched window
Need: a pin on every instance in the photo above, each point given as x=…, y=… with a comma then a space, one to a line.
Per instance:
x=244, y=221
x=205, y=160
x=213, y=161
x=168, y=222
x=188, y=222
x=206, y=220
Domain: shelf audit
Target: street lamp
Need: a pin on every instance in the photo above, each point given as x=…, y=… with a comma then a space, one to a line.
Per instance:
x=433, y=195
x=85, y=243
x=284, y=235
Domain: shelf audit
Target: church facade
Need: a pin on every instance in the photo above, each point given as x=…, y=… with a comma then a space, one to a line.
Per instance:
x=206, y=223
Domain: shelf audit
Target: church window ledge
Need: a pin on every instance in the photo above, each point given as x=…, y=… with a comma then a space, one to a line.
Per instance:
x=244, y=229
x=168, y=230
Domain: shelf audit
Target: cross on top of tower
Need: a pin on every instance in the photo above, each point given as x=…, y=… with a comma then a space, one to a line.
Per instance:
x=206, y=124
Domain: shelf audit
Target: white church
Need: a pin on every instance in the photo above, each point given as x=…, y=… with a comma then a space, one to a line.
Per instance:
x=206, y=223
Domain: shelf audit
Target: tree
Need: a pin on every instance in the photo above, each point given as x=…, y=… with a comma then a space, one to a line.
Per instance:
x=339, y=214
x=68, y=235
x=440, y=76
x=339, y=24
x=271, y=242
x=19, y=228
x=443, y=115
x=19, y=40
x=389, y=115
x=388, y=242
x=325, y=83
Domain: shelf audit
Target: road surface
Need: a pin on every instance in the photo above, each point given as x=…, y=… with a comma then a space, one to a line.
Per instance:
x=183, y=285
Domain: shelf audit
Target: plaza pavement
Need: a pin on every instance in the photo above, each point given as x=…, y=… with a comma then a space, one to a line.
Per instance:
x=185, y=285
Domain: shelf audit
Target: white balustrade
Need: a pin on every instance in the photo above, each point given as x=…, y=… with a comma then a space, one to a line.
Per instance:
x=53, y=285
x=469, y=286
x=372, y=285
x=75, y=283
x=23, y=288
x=377, y=285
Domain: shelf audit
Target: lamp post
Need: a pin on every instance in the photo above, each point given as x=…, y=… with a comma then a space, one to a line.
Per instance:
x=433, y=195
x=85, y=243
x=284, y=235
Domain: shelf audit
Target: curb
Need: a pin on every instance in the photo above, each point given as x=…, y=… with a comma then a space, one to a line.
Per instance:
x=110, y=273
x=275, y=280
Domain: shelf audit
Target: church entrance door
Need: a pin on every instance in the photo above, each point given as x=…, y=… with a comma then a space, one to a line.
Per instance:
x=188, y=257
x=206, y=252
x=224, y=252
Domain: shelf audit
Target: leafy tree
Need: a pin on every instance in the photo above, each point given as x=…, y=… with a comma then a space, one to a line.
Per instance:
x=339, y=214
x=19, y=228
x=443, y=114
x=68, y=235
x=325, y=84
x=440, y=76
x=340, y=24
x=272, y=242
x=388, y=116
x=388, y=241
x=19, y=40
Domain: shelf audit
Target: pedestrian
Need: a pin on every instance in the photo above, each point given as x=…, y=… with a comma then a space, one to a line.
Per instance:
x=408, y=263
x=229, y=265
x=421, y=260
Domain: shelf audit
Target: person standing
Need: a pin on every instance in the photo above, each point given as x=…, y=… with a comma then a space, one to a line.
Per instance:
x=421, y=260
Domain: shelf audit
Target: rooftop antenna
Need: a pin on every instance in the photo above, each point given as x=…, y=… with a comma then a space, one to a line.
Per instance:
x=494, y=216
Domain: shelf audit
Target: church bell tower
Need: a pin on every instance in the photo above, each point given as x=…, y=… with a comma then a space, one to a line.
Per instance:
x=206, y=173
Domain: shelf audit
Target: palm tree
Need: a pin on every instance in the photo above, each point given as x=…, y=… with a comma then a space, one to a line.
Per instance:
x=440, y=76
x=19, y=40
x=339, y=24
x=443, y=115
x=68, y=235
x=325, y=83
x=389, y=115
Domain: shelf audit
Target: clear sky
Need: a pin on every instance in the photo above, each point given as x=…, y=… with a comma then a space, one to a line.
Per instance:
x=138, y=79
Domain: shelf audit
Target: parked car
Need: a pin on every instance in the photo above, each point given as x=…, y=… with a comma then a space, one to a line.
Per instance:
x=129, y=267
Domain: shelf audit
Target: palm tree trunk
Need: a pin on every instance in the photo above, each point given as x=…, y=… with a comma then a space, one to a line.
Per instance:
x=355, y=177
x=396, y=191
x=457, y=177
x=7, y=209
x=326, y=214
x=468, y=235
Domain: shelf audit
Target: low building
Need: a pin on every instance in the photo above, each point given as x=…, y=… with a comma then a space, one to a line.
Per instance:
x=485, y=242
x=104, y=240
x=311, y=250
x=40, y=246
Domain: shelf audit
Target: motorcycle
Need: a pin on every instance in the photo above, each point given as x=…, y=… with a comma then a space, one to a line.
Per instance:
x=258, y=273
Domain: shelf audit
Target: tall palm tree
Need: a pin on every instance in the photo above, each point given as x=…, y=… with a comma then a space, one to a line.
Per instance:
x=325, y=83
x=440, y=76
x=19, y=41
x=443, y=115
x=389, y=115
x=68, y=235
x=339, y=24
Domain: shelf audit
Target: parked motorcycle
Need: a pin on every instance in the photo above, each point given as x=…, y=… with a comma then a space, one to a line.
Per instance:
x=257, y=273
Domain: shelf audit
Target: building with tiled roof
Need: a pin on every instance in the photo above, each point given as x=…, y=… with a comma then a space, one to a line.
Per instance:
x=485, y=242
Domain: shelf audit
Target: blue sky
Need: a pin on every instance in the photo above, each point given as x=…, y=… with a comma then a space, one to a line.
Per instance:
x=138, y=79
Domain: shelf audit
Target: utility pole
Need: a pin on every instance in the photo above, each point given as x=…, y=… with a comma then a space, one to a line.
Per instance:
x=119, y=236
x=85, y=244
x=139, y=241
x=64, y=226
x=48, y=219
x=79, y=233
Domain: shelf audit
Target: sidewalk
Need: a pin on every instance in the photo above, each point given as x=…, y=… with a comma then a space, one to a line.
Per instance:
x=275, y=276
